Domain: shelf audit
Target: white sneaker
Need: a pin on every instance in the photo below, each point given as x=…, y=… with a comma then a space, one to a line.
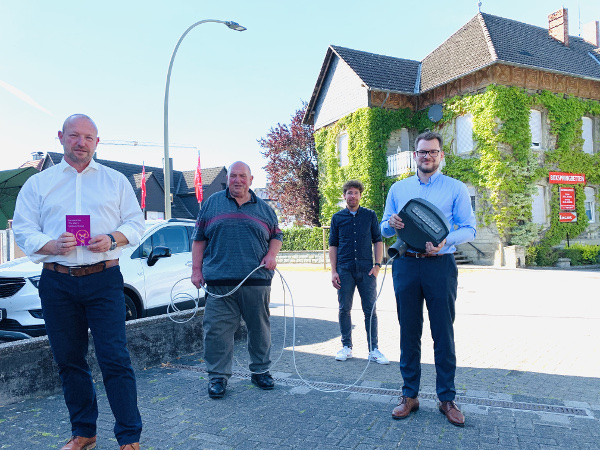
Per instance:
x=378, y=357
x=344, y=354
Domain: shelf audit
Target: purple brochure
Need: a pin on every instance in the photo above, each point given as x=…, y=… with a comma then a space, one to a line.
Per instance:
x=79, y=225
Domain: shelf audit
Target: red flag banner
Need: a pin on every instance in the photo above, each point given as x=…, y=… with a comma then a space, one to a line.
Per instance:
x=198, y=182
x=143, y=187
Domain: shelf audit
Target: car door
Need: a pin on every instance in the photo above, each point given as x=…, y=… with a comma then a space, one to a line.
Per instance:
x=169, y=273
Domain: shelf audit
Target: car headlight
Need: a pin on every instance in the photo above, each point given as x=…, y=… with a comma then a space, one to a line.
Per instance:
x=35, y=280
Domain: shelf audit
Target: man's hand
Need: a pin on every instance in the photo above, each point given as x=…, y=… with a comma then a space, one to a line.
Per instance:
x=99, y=244
x=431, y=250
x=269, y=261
x=375, y=271
x=65, y=244
x=197, y=278
x=396, y=222
x=335, y=280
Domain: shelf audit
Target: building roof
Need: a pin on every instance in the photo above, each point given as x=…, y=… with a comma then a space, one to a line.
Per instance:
x=380, y=72
x=484, y=40
x=465, y=51
x=183, y=181
x=208, y=176
x=377, y=72
x=35, y=163
x=528, y=45
x=488, y=39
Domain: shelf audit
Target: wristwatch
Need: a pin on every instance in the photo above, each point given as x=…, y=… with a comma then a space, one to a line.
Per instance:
x=113, y=243
x=377, y=264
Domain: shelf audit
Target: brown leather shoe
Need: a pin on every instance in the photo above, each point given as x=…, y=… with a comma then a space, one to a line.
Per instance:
x=453, y=414
x=405, y=407
x=134, y=446
x=80, y=443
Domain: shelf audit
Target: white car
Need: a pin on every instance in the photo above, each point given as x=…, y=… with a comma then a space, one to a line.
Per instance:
x=154, y=271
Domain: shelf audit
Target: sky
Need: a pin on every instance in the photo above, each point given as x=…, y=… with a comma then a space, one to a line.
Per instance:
x=109, y=60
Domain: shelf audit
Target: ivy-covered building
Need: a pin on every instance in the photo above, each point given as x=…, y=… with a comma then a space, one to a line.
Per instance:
x=518, y=101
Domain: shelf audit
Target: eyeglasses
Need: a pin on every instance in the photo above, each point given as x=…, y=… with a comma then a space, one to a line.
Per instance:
x=433, y=153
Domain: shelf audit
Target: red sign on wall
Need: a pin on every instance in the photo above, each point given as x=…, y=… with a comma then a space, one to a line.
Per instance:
x=566, y=178
x=567, y=198
x=567, y=217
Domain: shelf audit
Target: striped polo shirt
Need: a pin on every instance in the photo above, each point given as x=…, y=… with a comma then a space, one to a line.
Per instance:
x=237, y=239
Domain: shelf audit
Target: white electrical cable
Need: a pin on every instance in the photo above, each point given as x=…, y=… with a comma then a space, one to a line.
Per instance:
x=171, y=308
x=308, y=383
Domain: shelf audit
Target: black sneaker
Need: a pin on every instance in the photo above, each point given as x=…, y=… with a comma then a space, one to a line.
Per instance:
x=263, y=380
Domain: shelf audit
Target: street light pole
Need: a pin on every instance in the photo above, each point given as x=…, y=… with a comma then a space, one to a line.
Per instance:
x=167, y=165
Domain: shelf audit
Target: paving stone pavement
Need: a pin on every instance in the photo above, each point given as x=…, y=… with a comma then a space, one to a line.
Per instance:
x=528, y=377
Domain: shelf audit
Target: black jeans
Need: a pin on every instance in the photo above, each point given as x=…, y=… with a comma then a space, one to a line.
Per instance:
x=367, y=288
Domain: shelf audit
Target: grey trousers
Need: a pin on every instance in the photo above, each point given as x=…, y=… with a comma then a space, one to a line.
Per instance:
x=222, y=319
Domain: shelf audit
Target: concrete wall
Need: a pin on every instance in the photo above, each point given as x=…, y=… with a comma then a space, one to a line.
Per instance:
x=302, y=257
x=27, y=368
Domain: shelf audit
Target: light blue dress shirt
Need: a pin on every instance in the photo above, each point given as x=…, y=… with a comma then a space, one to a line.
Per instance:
x=448, y=194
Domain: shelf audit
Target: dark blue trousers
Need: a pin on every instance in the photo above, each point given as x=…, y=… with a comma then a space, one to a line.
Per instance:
x=70, y=305
x=350, y=280
x=434, y=280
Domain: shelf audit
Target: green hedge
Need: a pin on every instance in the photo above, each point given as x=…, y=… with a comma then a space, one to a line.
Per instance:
x=297, y=238
x=579, y=254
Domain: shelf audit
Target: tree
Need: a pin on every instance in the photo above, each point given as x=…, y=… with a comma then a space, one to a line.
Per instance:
x=292, y=170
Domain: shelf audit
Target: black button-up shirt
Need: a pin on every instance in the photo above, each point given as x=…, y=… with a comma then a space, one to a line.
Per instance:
x=354, y=235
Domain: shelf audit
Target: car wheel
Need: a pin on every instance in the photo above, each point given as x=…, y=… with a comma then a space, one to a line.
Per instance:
x=130, y=309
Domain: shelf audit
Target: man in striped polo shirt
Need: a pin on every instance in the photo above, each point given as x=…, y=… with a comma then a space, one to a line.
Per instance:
x=235, y=233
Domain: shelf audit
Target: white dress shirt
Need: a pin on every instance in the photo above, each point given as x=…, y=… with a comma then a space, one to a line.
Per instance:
x=48, y=197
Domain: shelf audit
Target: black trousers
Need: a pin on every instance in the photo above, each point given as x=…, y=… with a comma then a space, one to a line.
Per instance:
x=433, y=281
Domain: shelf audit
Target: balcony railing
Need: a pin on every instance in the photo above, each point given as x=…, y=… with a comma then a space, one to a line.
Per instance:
x=400, y=163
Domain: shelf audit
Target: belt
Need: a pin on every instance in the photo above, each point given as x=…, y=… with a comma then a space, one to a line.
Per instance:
x=81, y=271
x=423, y=255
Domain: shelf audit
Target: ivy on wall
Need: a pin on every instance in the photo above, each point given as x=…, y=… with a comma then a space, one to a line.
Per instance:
x=503, y=167
x=509, y=170
x=565, y=116
x=503, y=163
x=369, y=130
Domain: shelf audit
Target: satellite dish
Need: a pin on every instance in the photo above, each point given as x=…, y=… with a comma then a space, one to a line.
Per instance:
x=435, y=113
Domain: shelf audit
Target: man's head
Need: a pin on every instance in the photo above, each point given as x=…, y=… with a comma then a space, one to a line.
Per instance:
x=352, y=193
x=428, y=153
x=239, y=179
x=79, y=138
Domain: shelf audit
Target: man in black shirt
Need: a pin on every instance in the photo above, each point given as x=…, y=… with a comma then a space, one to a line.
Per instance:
x=353, y=231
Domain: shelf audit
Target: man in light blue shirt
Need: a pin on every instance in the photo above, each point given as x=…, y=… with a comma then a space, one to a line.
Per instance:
x=430, y=276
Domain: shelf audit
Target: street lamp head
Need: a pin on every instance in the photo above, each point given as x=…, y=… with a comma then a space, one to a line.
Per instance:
x=235, y=26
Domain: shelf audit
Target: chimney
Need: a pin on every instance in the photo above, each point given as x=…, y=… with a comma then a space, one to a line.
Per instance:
x=36, y=156
x=591, y=33
x=558, y=26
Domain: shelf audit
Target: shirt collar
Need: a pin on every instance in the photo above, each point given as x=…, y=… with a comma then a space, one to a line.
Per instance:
x=64, y=165
x=252, y=195
x=432, y=179
x=350, y=212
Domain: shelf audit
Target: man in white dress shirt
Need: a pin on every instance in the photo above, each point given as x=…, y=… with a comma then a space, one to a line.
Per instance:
x=81, y=286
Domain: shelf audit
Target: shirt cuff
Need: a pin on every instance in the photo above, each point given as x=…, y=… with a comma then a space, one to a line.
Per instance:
x=133, y=237
x=35, y=243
